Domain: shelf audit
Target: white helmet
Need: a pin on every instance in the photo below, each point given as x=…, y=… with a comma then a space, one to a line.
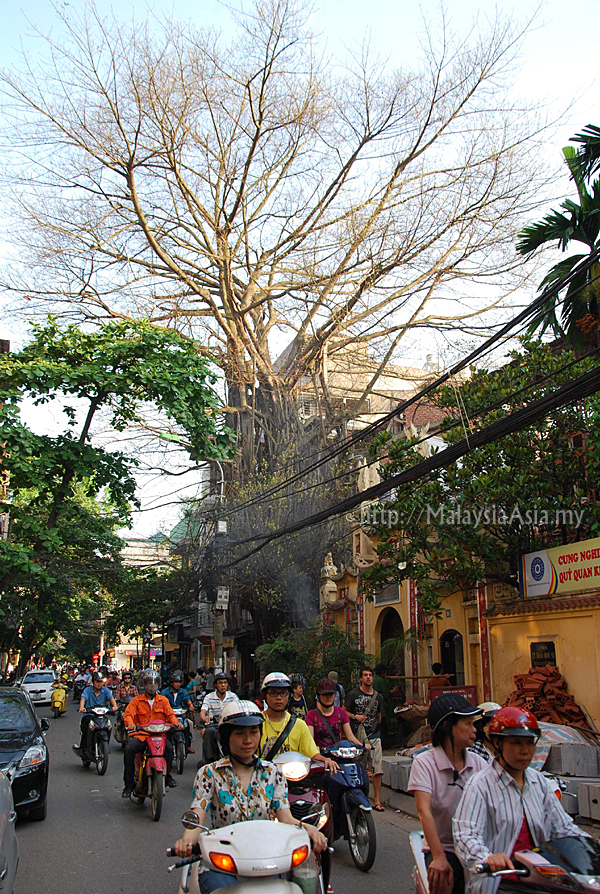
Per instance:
x=241, y=713
x=276, y=680
x=489, y=709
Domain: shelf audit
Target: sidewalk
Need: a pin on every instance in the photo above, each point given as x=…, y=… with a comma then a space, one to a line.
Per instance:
x=398, y=801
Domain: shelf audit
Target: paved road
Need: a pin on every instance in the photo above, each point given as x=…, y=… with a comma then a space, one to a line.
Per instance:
x=93, y=841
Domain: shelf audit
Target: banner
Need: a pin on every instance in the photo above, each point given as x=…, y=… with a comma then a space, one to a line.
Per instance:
x=561, y=570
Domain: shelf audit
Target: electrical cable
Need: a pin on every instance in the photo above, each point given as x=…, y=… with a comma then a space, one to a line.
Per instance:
x=475, y=354
x=581, y=387
x=442, y=430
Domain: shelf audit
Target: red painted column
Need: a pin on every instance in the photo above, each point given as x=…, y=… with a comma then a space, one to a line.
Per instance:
x=484, y=643
x=412, y=610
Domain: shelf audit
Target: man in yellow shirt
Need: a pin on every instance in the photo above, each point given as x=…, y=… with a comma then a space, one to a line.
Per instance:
x=282, y=732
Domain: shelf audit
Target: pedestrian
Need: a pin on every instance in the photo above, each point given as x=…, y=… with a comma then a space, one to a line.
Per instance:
x=233, y=682
x=297, y=704
x=340, y=695
x=191, y=686
x=437, y=779
x=209, y=684
x=364, y=706
x=438, y=680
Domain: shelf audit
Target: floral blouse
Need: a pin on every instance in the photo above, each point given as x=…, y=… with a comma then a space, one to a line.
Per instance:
x=217, y=786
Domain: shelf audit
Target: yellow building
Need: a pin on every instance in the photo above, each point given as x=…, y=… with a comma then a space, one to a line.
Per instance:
x=555, y=619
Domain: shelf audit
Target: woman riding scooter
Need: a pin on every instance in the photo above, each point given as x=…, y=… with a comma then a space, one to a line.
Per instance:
x=239, y=787
x=509, y=807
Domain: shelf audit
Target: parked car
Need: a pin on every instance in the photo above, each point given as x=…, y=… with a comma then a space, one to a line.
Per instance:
x=38, y=683
x=24, y=755
x=9, y=846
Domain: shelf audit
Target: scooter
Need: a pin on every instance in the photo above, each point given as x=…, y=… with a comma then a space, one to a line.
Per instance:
x=59, y=698
x=309, y=801
x=78, y=688
x=95, y=745
x=348, y=791
x=254, y=852
x=558, y=865
x=180, y=739
x=151, y=768
x=120, y=731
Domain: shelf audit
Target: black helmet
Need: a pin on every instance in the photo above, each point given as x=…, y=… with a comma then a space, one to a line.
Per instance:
x=176, y=677
x=448, y=705
x=97, y=676
x=221, y=676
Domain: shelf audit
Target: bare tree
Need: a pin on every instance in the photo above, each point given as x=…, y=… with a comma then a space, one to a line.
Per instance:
x=255, y=194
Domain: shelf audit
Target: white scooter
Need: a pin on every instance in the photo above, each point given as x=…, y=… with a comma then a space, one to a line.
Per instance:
x=256, y=852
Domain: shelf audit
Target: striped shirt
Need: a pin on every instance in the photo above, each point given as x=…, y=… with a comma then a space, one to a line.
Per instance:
x=490, y=815
x=213, y=705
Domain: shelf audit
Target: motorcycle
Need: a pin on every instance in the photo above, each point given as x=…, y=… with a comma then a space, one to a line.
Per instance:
x=180, y=739
x=254, y=852
x=308, y=799
x=348, y=791
x=59, y=698
x=151, y=768
x=558, y=865
x=95, y=745
x=119, y=731
x=78, y=688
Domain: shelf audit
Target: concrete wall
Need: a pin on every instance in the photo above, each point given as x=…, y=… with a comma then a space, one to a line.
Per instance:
x=576, y=635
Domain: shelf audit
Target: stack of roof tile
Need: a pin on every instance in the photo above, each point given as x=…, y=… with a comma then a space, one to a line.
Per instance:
x=543, y=691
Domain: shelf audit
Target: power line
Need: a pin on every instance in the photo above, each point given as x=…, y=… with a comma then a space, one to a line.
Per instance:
x=483, y=349
x=579, y=388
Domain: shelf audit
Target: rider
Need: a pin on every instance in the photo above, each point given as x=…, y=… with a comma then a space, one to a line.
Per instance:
x=239, y=787
x=179, y=697
x=337, y=718
x=482, y=745
x=507, y=807
x=126, y=688
x=95, y=696
x=212, y=705
x=437, y=779
x=281, y=731
x=149, y=707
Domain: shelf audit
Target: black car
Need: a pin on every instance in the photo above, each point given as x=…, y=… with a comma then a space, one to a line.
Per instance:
x=24, y=755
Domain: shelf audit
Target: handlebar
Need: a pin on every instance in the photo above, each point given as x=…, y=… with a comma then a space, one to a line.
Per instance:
x=195, y=850
x=484, y=869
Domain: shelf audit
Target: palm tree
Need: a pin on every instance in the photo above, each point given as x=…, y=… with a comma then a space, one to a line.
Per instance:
x=588, y=156
x=577, y=319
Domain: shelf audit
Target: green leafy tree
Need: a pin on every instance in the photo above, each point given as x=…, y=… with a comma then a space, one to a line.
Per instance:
x=67, y=494
x=313, y=652
x=472, y=520
x=579, y=222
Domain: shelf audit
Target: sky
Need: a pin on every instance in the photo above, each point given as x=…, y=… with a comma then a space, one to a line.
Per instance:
x=558, y=67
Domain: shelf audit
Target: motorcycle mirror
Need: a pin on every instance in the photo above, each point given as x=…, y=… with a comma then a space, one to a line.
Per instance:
x=190, y=820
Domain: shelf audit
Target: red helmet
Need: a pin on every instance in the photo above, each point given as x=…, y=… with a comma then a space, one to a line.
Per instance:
x=513, y=721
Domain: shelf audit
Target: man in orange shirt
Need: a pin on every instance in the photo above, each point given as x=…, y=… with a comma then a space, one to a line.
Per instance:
x=148, y=707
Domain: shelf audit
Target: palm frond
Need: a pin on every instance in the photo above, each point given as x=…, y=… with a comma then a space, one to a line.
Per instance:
x=588, y=156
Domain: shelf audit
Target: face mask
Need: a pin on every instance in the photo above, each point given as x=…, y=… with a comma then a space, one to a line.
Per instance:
x=151, y=689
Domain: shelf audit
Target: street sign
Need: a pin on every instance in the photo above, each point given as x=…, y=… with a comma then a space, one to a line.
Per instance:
x=96, y=656
x=222, y=600
x=152, y=654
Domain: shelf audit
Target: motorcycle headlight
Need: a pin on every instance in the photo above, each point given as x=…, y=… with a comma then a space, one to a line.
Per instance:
x=109, y=724
x=295, y=770
x=91, y=725
x=33, y=756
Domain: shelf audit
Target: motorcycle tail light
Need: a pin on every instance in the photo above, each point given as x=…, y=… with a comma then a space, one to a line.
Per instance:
x=299, y=855
x=324, y=816
x=223, y=862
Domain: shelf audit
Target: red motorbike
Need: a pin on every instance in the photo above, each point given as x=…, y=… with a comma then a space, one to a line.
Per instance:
x=309, y=801
x=151, y=767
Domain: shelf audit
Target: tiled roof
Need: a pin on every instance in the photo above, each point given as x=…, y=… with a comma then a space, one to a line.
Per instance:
x=556, y=603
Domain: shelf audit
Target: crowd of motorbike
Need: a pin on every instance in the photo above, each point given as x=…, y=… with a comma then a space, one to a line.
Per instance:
x=335, y=803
